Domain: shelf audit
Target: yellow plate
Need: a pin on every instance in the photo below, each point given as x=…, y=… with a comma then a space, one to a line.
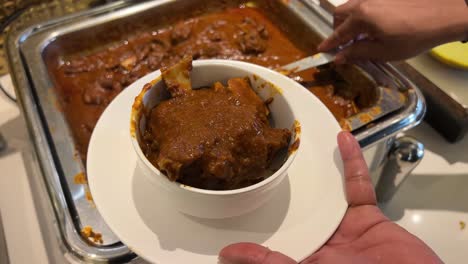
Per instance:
x=454, y=54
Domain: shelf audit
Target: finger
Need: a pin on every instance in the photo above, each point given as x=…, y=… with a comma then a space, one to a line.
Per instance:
x=249, y=253
x=360, y=50
x=359, y=188
x=344, y=33
x=338, y=21
x=346, y=8
x=342, y=12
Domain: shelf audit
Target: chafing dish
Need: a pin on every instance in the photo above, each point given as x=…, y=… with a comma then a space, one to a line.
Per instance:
x=29, y=47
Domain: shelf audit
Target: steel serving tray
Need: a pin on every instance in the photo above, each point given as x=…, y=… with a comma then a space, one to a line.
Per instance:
x=29, y=49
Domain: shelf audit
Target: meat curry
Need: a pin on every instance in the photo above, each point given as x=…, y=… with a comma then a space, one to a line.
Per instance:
x=88, y=83
x=215, y=138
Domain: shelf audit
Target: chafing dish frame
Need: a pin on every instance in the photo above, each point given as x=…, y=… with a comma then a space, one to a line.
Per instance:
x=53, y=141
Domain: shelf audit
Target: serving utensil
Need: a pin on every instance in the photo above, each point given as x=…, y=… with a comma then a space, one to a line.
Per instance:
x=316, y=60
x=389, y=100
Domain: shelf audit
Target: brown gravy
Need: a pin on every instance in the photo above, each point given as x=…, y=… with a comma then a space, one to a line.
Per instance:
x=87, y=84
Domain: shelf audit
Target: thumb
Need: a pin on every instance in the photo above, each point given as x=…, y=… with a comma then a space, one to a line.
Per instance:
x=250, y=253
x=359, y=188
x=360, y=50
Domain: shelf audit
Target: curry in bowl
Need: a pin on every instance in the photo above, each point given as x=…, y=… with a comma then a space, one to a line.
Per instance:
x=214, y=138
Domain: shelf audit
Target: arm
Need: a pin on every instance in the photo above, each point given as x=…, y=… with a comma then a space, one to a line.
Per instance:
x=396, y=29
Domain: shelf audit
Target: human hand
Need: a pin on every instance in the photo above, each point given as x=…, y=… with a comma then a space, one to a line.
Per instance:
x=397, y=29
x=364, y=236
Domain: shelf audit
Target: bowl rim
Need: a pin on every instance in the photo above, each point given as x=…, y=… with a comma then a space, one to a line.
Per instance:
x=254, y=69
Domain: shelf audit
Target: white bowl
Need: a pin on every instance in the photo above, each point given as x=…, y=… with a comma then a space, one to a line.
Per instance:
x=220, y=204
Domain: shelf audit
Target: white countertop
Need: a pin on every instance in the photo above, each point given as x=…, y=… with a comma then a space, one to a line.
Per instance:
x=430, y=204
x=433, y=200
x=453, y=81
x=17, y=210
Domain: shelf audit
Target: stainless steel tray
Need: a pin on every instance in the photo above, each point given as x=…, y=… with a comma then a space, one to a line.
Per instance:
x=28, y=50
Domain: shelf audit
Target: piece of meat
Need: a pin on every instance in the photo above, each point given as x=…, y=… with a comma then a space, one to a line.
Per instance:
x=87, y=129
x=359, y=88
x=161, y=42
x=263, y=32
x=110, y=62
x=106, y=81
x=177, y=77
x=181, y=32
x=251, y=43
x=252, y=37
x=169, y=167
x=260, y=28
x=349, y=83
x=129, y=62
x=117, y=86
x=218, y=87
x=78, y=66
x=142, y=52
x=154, y=60
x=95, y=95
x=210, y=50
x=214, y=34
x=124, y=79
x=242, y=88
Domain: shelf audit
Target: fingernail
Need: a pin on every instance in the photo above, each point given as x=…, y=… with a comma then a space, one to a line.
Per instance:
x=346, y=143
x=347, y=138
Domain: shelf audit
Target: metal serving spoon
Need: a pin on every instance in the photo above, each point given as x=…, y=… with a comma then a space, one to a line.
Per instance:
x=309, y=62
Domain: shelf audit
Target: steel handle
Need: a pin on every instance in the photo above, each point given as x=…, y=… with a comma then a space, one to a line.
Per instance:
x=405, y=154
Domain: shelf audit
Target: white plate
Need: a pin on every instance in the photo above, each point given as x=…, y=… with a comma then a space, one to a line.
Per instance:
x=303, y=214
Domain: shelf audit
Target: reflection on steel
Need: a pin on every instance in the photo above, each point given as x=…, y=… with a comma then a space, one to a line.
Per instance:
x=405, y=154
